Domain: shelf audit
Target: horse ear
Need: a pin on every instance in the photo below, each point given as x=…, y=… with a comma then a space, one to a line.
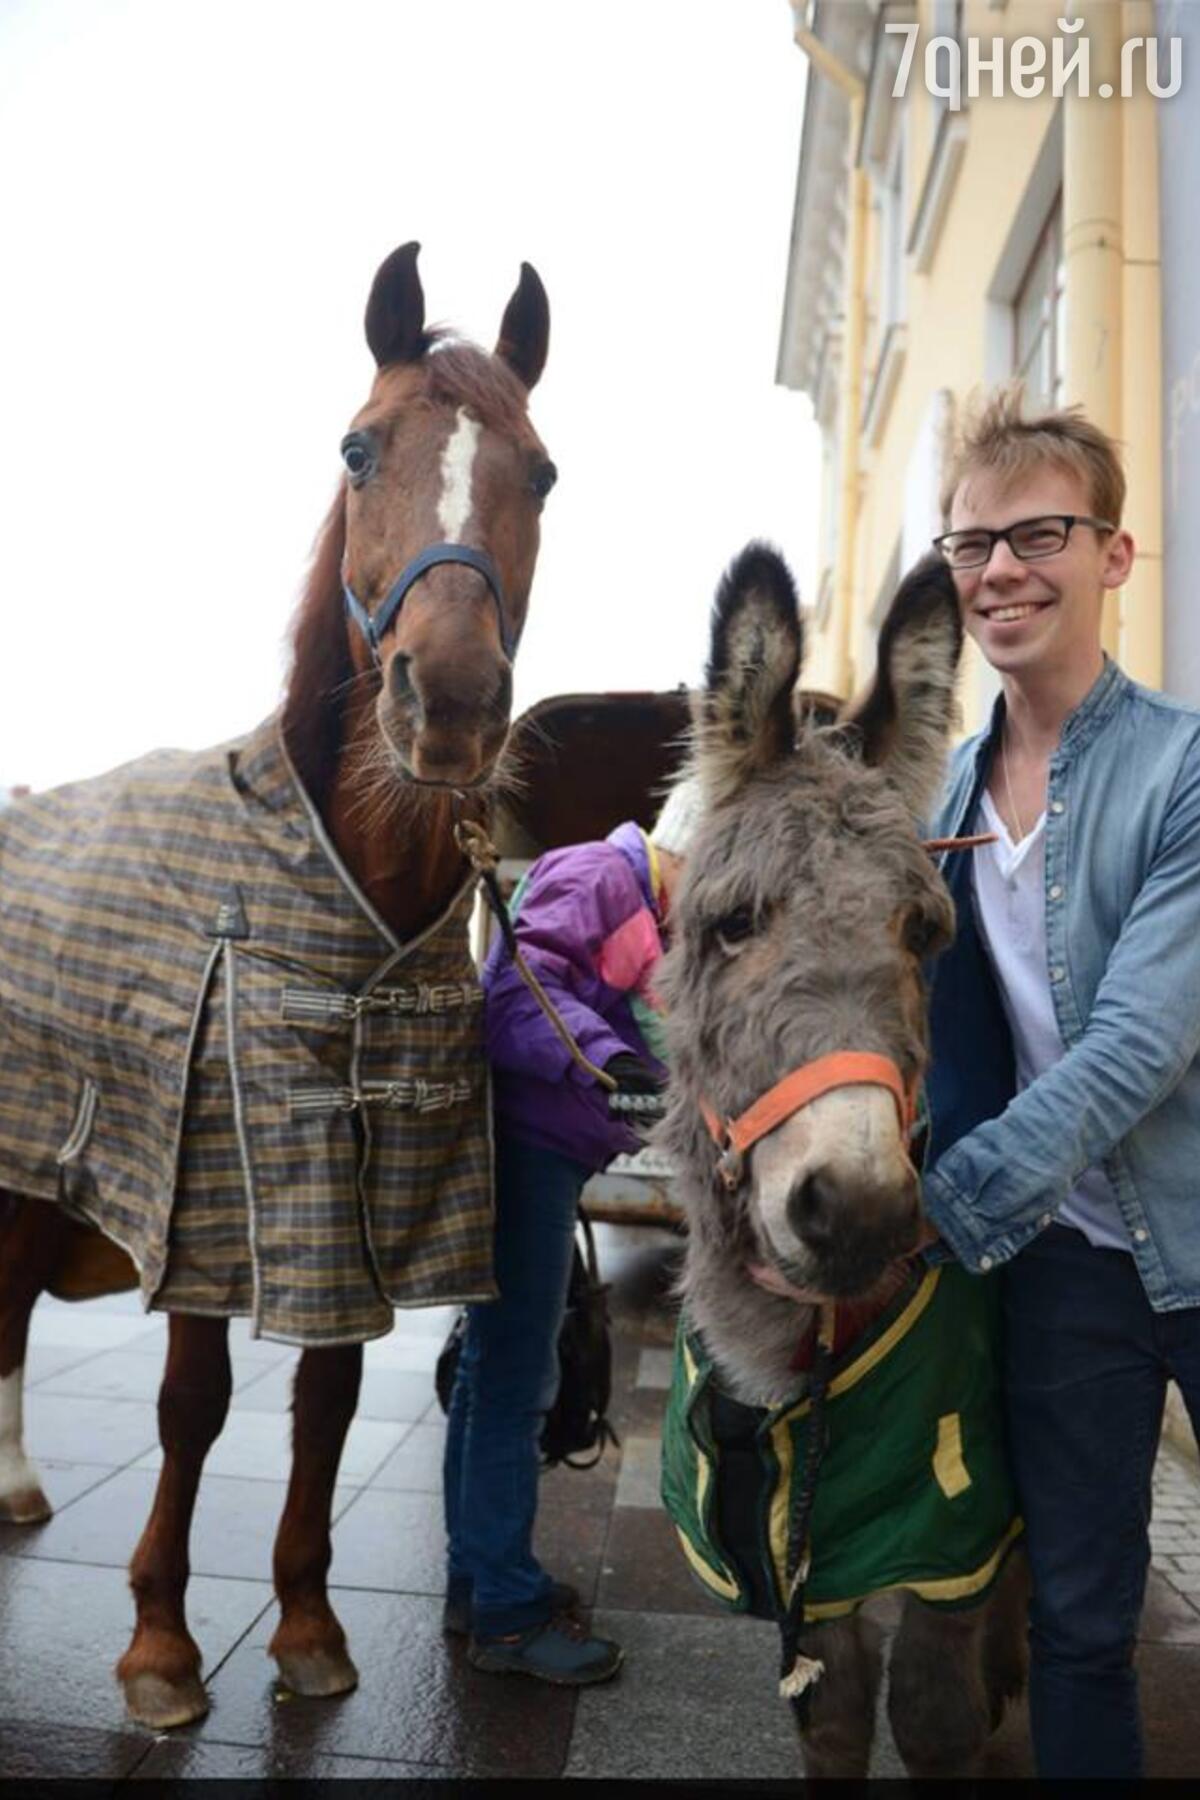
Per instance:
x=525, y=328
x=745, y=720
x=395, y=321
x=905, y=719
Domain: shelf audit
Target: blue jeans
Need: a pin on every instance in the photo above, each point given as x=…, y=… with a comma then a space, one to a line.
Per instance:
x=1087, y=1364
x=507, y=1379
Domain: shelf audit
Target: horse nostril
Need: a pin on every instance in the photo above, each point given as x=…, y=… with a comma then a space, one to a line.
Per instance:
x=812, y=1212
x=400, y=685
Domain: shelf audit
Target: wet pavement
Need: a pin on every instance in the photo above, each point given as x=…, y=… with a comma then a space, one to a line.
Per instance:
x=696, y=1699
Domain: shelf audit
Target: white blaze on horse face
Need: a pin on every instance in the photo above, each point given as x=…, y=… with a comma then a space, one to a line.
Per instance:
x=851, y=1132
x=458, y=463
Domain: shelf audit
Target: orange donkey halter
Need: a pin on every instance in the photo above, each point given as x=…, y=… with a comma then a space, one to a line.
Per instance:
x=843, y=1068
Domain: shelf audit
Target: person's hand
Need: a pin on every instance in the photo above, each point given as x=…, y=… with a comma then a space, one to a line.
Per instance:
x=632, y=1075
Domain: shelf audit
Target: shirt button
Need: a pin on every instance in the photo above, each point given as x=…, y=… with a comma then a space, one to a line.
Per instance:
x=1046, y=1219
x=1140, y=1235
x=985, y=1263
x=1058, y=806
x=1056, y=973
x=1056, y=892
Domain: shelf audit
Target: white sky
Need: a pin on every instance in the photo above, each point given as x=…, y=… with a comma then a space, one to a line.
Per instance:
x=195, y=199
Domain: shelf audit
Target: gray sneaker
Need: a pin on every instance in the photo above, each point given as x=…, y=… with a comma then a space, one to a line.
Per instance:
x=456, y=1614
x=560, y=1651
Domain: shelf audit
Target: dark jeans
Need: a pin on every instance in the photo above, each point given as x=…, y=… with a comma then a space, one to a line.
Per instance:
x=507, y=1379
x=1087, y=1363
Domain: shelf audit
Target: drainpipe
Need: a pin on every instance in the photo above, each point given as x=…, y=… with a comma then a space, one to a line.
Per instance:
x=1093, y=249
x=823, y=62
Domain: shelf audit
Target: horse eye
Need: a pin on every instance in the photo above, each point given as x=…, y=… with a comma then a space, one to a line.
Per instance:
x=543, y=479
x=736, y=929
x=358, y=454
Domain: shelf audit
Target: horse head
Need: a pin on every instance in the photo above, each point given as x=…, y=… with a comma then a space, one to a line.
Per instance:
x=794, y=990
x=445, y=480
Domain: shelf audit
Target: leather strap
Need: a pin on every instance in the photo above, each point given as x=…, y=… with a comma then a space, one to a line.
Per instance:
x=844, y=1068
x=374, y=626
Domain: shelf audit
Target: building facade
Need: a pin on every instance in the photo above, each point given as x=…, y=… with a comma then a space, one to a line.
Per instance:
x=967, y=229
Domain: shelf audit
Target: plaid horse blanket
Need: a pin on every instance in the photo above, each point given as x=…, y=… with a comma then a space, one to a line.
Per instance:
x=213, y=1048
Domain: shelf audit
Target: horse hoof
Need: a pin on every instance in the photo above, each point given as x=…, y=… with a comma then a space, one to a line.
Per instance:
x=317, y=1674
x=29, y=1506
x=152, y=1700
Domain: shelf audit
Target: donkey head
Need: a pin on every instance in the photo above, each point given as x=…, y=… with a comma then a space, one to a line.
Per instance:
x=443, y=455
x=807, y=908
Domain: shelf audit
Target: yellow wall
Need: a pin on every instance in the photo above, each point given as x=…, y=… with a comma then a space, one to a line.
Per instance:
x=946, y=323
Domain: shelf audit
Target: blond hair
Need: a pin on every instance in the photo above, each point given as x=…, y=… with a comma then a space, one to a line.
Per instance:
x=995, y=436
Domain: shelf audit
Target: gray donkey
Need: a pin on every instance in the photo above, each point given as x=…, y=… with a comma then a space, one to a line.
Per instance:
x=808, y=1469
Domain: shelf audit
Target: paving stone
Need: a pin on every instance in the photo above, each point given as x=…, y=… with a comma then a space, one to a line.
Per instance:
x=417, y=1464
x=654, y=1367
x=233, y=1531
x=406, y=1351
x=29, y=1751
x=88, y=1328
x=697, y=1700
x=123, y=1374
x=44, y=1360
x=645, y=1570
x=257, y=1446
x=641, y=1472
x=62, y=1484
x=65, y=1624
x=1167, y=1686
x=418, y=1701
x=1168, y=1617
x=574, y=1510
x=397, y=1395
x=200, y=1759
x=65, y=1429
x=391, y=1540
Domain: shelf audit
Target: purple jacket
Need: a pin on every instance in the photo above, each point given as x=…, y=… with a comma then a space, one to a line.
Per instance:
x=589, y=924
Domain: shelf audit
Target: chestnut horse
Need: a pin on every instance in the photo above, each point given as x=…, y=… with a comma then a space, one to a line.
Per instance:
x=395, y=714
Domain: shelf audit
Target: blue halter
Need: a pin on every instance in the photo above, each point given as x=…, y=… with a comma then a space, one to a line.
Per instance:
x=374, y=626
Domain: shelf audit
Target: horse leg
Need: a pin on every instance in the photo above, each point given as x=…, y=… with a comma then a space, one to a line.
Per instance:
x=32, y=1235
x=836, y=1736
x=310, y=1645
x=938, y=1702
x=160, y=1671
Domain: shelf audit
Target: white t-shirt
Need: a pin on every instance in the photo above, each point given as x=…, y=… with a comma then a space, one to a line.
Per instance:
x=1009, y=884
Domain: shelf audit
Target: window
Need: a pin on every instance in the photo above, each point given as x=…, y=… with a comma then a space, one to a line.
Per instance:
x=1039, y=317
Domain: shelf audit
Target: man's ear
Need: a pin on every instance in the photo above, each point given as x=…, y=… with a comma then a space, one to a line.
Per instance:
x=1118, y=559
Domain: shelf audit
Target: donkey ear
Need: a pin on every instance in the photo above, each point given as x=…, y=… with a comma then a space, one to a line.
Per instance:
x=905, y=718
x=395, y=320
x=525, y=328
x=745, y=720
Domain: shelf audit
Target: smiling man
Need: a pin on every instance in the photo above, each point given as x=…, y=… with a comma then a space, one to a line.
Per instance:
x=1065, y=1088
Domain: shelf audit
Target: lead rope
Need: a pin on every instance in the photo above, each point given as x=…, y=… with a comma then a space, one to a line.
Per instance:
x=483, y=857
x=798, y=1674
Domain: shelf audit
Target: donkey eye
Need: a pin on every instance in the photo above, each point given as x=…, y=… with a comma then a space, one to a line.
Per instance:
x=922, y=934
x=736, y=929
x=543, y=479
x=358, y=454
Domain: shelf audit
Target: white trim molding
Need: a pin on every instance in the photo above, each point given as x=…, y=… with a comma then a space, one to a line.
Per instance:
x=888, y=370
x=945, y=161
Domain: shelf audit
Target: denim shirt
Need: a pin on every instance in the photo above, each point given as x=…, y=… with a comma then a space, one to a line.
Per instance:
x=1122, y=900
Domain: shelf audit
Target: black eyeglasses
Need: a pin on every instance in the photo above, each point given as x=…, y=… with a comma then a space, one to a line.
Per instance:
x=1028, y=539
